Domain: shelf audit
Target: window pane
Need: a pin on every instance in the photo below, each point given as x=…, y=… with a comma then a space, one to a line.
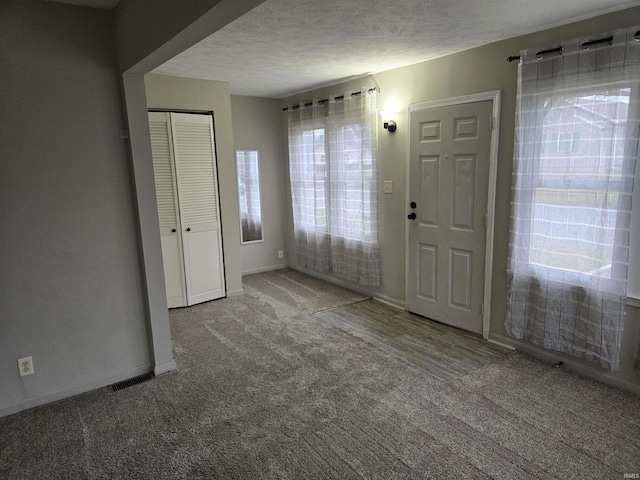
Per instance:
x=579, y=177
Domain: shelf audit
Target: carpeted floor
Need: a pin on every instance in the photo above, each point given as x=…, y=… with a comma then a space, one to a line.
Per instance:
x=265, y=389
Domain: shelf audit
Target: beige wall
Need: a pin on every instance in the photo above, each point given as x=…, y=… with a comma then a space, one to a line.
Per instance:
x=257, y=126
x=478, y=70
x=172, y=93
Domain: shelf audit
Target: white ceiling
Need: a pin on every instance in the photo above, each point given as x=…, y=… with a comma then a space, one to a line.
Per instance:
x=284, y=47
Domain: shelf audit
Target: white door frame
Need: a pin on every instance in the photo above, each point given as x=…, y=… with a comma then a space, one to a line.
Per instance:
x=494, y=96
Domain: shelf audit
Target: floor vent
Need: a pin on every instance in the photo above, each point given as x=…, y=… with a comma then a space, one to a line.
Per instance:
x=132, y=381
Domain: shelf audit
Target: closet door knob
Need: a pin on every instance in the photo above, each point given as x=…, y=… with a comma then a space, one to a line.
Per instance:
x=188, y=229
x=173, y=230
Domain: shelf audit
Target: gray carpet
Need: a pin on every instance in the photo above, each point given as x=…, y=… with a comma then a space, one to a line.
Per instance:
x=267, y=390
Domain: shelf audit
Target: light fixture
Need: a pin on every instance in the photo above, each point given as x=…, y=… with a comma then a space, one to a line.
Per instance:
x=388, y=116
x=390, y=125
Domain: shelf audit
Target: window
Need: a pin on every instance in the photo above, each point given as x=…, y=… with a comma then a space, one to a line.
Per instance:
x=333, y=173
x=575, y=156
x=579, y=181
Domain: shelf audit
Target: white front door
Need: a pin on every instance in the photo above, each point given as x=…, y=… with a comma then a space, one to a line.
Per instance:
x=450, y=151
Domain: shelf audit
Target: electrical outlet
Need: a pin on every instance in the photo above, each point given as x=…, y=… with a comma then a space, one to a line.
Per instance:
x=25, y=366
x=280, y=254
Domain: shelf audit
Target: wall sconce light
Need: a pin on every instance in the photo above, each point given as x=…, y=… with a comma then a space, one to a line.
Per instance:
x=388, y=115
x=390, y=125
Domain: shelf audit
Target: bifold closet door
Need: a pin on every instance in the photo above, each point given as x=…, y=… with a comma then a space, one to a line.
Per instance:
x=197, y=183
x=192, y=231
x=168, y=214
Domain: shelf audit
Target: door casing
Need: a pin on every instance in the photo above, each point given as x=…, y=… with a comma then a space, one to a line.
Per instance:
x=494, y=96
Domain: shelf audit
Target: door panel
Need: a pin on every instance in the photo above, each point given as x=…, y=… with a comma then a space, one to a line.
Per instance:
x=173, y=268
x=449, y=172
x=168, y=214
x=430, y=189
x=428, y=271
x=461, y=273
x=199, y=209
x=464, y=182
x=203, y=281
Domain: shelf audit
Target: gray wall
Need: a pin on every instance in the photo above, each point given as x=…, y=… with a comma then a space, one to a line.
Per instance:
x=257, y=126
x=72, y=286
x=81, y=279
x=150, y=33
x=478, y=70
x=71, y=291
x=141, y=31
x=82, y=287
x=173, y=93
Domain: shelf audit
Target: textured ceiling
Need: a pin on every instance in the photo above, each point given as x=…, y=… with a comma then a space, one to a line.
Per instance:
x=108, y=4
x=284, y=47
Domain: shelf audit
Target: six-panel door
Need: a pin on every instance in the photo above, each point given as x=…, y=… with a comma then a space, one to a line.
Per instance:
x=449, y=171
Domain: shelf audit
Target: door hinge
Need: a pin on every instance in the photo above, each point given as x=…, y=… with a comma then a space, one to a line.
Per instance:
x=491, y=123
x=482, y=309
x=486, y=220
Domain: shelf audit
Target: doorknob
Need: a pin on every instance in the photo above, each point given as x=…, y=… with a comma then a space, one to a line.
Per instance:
x=412, y=216
x=188, y=229
x=173, y=230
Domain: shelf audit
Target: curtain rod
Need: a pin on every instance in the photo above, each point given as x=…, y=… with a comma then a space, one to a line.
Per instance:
x=584, y=46
x=341, y=97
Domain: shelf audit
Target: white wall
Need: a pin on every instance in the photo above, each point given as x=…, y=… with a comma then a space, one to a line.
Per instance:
x=71, y=289
x=478, y=70
x=257, y=126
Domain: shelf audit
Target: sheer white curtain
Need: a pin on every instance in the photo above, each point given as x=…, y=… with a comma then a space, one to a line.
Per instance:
x=576, y=145
x=353, y=144
x=307, y=172
x=334, y=186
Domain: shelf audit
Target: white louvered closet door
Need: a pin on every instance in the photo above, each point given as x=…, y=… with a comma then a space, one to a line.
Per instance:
x=199, y=214
x=168, y=213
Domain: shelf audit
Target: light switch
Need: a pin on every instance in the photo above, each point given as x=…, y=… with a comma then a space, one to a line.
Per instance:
x=388, y=186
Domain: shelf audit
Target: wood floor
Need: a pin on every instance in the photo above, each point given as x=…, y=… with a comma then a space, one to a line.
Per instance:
x=443, y=351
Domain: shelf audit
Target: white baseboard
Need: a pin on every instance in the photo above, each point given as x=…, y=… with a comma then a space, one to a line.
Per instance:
x=392, y=302
x=334, y=281
x=582, y=367
x=503, y=345
x=75, y=390
x=633, y=302
x=164, y=368
x=268, y=268
x=235, y=293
